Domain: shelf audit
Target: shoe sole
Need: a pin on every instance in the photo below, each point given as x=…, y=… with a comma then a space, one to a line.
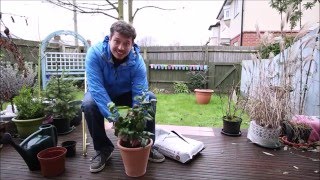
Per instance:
x=102, y=167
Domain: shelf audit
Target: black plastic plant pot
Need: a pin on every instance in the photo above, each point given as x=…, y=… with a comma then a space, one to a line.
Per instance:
x=231, y=128
x=71, y=148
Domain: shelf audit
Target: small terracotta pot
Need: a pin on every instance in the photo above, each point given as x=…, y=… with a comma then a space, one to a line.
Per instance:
x=52, y=161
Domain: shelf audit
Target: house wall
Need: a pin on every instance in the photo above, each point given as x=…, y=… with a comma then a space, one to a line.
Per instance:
x=257, y=12
x=268, y=19
x=235, y=23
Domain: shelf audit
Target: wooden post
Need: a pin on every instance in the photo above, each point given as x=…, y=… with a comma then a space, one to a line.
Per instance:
x=147, y=63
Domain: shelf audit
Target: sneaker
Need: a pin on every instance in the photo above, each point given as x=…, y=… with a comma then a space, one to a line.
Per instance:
x=98, y=162
x=155, y=156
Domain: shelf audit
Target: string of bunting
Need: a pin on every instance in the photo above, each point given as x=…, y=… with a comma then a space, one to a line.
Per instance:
x=178, y=67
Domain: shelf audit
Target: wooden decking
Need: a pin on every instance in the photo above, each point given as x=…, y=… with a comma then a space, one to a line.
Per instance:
x=223, y=158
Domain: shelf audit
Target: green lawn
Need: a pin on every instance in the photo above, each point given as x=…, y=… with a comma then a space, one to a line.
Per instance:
x=182, y=110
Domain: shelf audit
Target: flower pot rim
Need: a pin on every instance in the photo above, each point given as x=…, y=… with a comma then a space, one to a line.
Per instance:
x=63, y=151
x=135, y=148
x=27, y=120
x=203, y=90
x=237, y=117
x=68, y=143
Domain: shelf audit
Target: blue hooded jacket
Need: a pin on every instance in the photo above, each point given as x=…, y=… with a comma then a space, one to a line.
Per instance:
x=105, y=81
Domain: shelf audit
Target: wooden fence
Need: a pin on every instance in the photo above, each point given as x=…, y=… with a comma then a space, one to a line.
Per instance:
x=224, y=64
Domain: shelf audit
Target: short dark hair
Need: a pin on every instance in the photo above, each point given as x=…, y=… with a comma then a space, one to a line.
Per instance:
x=123, y=28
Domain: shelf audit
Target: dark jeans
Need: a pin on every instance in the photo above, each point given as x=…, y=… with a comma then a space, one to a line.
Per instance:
x=95, y=120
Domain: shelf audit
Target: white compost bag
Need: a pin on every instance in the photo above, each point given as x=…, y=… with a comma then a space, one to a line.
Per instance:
x=176, y=146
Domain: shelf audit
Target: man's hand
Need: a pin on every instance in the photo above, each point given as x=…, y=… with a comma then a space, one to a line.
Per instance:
x=114, y=112
x=114, y=117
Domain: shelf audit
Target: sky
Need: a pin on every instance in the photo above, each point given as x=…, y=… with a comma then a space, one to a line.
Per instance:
x=186, y=25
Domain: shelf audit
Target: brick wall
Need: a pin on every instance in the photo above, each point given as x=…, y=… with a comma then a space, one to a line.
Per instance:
x=251, y=39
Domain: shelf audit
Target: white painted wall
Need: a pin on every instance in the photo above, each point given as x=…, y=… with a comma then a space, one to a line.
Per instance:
x=259, y=12
x=269, y=19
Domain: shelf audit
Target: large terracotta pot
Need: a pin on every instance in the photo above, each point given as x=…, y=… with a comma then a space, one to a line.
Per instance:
x=135, y=160
x=203, y=96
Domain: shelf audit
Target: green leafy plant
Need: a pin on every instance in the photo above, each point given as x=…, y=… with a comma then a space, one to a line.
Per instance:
x=131, y=128
x=60, y=92
x=27, y=106
x=271, y=49
x=180, y=87
x=293, y=5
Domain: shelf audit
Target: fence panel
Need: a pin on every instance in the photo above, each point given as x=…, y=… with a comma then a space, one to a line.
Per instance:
x=223, y=64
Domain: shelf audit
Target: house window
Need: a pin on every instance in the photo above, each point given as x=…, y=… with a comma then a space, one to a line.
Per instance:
x=226, y=12
x=236, y=9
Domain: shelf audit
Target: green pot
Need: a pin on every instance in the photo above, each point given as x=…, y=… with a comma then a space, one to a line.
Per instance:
x=27, y=126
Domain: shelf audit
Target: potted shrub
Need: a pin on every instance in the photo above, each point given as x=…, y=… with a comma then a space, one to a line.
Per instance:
x=279, y=85
x=134, y=142
x=233, y=112
x=30, y=113
x=59, y=92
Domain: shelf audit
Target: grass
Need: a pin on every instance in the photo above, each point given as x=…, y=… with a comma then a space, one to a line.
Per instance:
x=182, y=109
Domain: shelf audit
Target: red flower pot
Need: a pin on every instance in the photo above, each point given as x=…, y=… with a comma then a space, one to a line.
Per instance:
x=52, y=161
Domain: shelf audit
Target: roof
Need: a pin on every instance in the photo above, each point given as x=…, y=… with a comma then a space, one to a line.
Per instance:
x=215, y=25
x=220, y=14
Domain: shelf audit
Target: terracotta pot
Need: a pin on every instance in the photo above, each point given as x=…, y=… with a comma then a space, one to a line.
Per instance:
x=135, y=160
x=203, y=96
x=52, y=161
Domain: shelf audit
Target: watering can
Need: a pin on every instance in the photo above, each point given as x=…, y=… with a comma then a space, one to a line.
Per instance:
x=44, y=138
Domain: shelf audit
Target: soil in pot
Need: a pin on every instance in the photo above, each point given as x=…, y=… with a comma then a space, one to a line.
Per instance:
x=52, y=161
x=71, y=148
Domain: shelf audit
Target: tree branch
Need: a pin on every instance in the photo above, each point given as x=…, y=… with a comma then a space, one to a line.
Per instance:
x=86, y=8
x=138, y=9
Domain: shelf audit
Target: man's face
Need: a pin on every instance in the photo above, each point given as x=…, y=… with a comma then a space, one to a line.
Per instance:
x=120, y=45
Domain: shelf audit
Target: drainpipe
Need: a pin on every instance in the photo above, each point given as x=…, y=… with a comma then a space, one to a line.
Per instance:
x=241, y=32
